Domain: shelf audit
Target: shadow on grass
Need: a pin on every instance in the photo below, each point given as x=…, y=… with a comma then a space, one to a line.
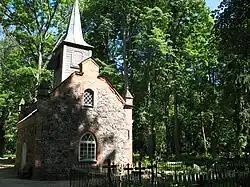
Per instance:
x=7, y=168
x=7, y=171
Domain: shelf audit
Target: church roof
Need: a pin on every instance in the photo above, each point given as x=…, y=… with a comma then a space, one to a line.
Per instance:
x=120, y=98
x=128, y=95
x=101, y=77
x=72, y=36
x=74, y=31
x=27, y=117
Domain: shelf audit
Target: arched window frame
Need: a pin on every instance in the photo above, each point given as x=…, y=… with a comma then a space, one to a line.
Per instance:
x=88, y=98
x=87, y=148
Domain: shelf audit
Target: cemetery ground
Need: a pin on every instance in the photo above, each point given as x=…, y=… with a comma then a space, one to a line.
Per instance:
x=8, y=178
x=220, y=173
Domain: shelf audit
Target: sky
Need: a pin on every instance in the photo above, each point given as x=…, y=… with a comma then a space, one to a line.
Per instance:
x=213, y=3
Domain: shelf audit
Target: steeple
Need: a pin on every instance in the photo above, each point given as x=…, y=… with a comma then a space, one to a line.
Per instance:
x=70, y=50
x=74, y=31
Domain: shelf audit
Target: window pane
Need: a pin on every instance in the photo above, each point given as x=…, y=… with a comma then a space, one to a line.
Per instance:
x=88, y=97
x=87, y=149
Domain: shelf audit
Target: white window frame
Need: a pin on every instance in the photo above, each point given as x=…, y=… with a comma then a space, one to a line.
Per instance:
x=88, y=142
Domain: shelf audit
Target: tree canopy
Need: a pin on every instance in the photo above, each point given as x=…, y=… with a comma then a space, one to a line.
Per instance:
x=187, y=70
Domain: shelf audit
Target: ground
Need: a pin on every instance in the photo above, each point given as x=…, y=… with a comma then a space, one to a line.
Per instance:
x=8, y=178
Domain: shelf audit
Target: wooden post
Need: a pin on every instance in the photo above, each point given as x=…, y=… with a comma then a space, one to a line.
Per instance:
x=152, y=172
x=113, y=171
x=109, y=172
x=78, y=177
x=113, y=167
x=128, y=172
x=156, y=172
x=70, y=177
x=140, y=173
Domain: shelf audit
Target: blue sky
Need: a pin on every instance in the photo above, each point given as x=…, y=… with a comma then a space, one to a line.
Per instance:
x=213, y=3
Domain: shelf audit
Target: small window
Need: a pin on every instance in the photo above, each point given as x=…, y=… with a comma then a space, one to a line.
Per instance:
x=87, y=148
x=89, y=98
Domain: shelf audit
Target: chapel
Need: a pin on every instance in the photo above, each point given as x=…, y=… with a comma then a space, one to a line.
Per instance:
x=83, y=120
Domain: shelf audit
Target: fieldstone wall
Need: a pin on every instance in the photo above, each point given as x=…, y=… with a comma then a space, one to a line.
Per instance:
x=26, y=134
x=63, y=120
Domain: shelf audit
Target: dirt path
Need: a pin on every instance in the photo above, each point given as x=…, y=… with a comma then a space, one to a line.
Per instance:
x=8, y=179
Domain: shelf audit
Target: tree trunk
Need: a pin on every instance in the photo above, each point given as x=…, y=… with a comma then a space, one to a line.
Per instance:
x=40, y=61
x=213, y=139
x=125, y=63
x=238, y=123
x=166, y=122
x=203, y=135
x=3, y=118
x=176, y=125
x=1, y=140
x=213, y=121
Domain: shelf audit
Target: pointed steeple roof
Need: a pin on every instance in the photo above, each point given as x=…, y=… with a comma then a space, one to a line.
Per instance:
x=73, y=37
x=128, y=95
x=74, y=31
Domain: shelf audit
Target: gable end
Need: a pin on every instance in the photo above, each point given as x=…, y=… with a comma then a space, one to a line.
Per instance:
x=105, y=79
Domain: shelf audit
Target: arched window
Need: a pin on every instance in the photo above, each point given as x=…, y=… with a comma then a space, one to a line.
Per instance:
x=87, y=148
x=89, y=98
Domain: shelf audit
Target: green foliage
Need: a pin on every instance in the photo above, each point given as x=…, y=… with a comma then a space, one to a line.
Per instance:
x=10, y=128
x=175, y=73
x=190, y=82
x=30, y=29
x=35, y=26
x=110, y=71
x=232, y=30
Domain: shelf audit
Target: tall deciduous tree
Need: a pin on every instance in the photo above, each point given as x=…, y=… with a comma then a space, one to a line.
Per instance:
x=166, y=48
x=30, y=29
x=186, y=99
x=233, y=30
x=35, y=25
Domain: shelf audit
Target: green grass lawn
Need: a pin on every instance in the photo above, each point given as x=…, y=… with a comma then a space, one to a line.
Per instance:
x=8, y=155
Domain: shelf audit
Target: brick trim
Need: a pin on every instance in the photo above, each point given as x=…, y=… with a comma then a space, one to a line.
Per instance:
x=93, y=131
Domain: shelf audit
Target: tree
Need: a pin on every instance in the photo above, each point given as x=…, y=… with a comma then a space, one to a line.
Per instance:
x=232, y=31
x=232, y=27
x=167, y=50
x=190, y=83
x=7, y=49
x=110, y=26
x=35, y=25
x=149, y=73
x=189, y=30
x=31, y=29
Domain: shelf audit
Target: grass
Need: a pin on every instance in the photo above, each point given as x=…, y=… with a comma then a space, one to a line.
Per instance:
x=5, y=162
x=8, y=155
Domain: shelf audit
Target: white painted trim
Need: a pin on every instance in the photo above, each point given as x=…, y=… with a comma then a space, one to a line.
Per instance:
x=27, y=116
x=63, y=61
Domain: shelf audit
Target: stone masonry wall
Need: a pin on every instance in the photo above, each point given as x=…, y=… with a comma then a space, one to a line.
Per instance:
x=64, y=119
x=26, y=133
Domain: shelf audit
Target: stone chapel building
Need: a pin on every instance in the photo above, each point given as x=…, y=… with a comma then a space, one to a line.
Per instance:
x=83, y=120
